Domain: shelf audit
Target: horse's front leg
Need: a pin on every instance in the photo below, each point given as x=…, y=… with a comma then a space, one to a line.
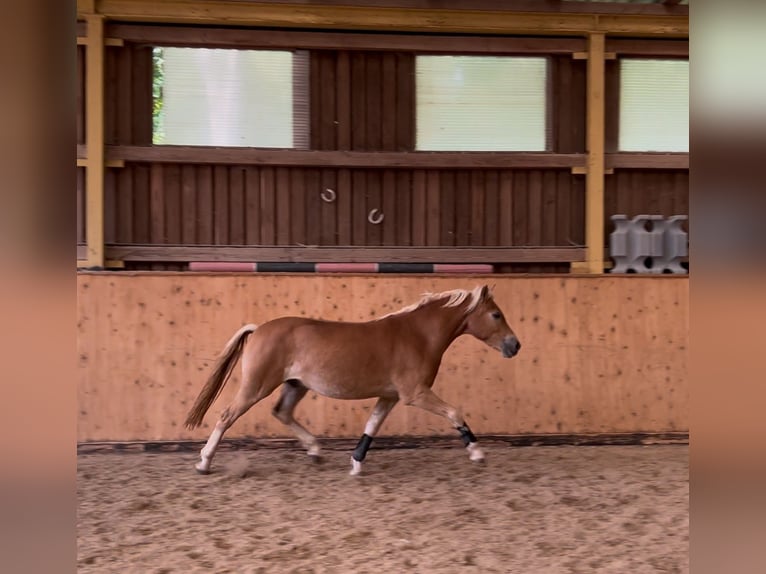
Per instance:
x=378, y=415
x=427, y=400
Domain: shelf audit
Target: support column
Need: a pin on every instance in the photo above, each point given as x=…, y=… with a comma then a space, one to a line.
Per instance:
x=94, y=140
x=594, y=178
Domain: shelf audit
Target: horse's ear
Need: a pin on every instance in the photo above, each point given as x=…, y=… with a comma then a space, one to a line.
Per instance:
x=485, y=293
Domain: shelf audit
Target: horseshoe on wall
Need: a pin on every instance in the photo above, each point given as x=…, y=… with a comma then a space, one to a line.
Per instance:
x=330, y=195
x=371, y=217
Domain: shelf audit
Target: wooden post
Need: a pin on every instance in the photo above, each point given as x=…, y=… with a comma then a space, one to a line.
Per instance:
x=94, y=139
x=594, y=178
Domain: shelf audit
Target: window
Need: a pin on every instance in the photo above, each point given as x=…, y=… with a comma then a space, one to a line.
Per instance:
x=654, y=105
x=478, y=103
x=214, y=97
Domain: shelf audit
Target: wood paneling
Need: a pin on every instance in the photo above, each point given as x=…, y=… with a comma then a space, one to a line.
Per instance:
x=236, y=205
x=362, y=101
x=637, y=192
x=600, y=354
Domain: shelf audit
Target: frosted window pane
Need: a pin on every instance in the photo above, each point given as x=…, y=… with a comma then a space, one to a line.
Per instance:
x=219, y=97
x=472, y=103
x=654, y=105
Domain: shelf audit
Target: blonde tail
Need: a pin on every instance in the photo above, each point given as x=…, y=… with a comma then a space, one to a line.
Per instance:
x=215, y=383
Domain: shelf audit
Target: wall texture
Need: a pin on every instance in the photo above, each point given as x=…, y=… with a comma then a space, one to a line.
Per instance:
x=600, y=354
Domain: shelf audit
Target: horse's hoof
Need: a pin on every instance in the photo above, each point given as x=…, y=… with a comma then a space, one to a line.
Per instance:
x=475, y=454
x=356, y=467
x=316, y=458
x=201, y=469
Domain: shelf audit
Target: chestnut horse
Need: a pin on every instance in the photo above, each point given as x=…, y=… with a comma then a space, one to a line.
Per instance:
x=393, y=358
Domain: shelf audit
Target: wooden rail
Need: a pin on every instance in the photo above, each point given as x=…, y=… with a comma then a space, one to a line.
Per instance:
x=349, y=159
x=315, y=254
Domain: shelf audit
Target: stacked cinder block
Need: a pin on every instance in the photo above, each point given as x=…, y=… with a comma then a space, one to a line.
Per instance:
x=637, y=247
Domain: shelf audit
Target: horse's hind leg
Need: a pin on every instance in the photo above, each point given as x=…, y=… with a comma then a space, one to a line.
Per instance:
x=228, y=417
x=378, y=415
x=292, y=393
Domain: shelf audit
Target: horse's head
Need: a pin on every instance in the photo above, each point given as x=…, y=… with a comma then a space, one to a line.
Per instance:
x=487, y=323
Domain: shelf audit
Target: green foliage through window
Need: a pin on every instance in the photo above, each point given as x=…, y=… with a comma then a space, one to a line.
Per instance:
x=158, y=79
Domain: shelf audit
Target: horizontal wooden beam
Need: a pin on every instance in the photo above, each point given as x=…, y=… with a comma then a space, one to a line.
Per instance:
x=647, y=160
x=459, y=18
x=307, y=40
x=253, y=156
x=535, y=6
x=315, y=254
x=648, y=47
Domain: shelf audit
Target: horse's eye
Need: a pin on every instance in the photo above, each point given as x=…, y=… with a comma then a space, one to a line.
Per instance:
x=496, y=314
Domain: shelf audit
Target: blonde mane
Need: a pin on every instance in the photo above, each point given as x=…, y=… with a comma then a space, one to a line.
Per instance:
x=453, y=298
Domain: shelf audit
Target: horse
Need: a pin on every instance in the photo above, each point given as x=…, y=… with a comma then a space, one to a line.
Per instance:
x=392, y=358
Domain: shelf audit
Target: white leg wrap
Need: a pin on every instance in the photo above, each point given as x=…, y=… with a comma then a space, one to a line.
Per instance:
x=356, y=467
x=474, y=452
x=313, y=450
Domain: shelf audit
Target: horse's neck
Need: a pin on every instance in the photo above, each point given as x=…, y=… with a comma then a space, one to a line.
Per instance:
x=440, y=325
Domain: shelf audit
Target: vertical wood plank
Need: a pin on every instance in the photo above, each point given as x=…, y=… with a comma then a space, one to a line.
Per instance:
x=205, y=204
x=236, y=205
x=374, y=111
x=578, y=104
x=374, y=201
x=477, y=207
x=124, y=95
x=313, y=207
x=141, y=203
x=252, y=206
x=315, y=104
x=113, y=103
x=405, y=102
x=419, y=212
x=359, y=207
x=172, y=201
x=221, y=221
x=268, y=206
x=391, y=219
x=283, y=206
x=157, y=204
x=612, y=105
x=143, y=70
x=564, y=208
x=594, y=200
x=404, y=202
x=81, y=206
x=328, y=232
x=388, y=104
x=535, y=216
x=434, y=211
x=506, y=221
x=463, y=208
x=125, y=215
x=344, y=201
x=298, y=221
x=110, y=206
x=81, y=96
x=327, y=88
x=520, y=227
x=550, y=220
x=343, y=100
x=358, y=101
x=447, y=201
x=563, y=93
x=188, y=204
x=491, y=208
x=94, y=130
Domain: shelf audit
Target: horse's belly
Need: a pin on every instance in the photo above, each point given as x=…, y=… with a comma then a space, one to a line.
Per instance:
x=340, y=386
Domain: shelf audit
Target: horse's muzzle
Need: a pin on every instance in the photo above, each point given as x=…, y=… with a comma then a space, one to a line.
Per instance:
x=511, y=347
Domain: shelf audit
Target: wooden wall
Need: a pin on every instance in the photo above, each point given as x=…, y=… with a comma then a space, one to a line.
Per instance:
x=600, y=354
